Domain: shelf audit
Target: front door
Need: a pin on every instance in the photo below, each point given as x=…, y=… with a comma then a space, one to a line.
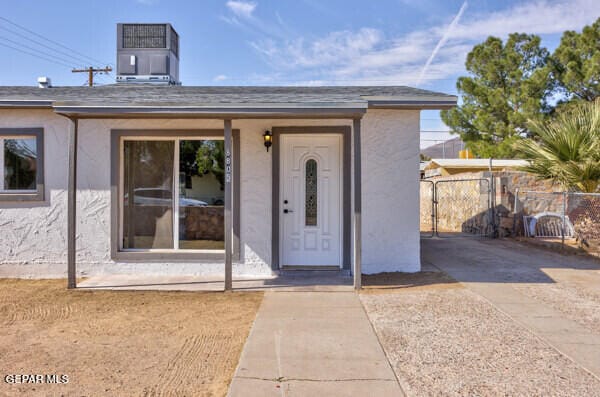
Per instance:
x=311, y=200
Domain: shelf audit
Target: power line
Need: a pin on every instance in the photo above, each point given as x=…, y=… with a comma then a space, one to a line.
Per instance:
x=36, y=50
x=52, y=41
x=77, y=59
x=36, y=55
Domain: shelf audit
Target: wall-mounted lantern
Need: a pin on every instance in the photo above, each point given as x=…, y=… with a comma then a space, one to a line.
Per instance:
x=268, y=138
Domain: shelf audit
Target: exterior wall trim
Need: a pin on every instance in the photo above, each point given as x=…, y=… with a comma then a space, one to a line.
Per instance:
x=345, y=131
x=133, y=256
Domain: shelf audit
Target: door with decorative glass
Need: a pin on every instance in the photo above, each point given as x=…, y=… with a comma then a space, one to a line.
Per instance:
x=310, y=194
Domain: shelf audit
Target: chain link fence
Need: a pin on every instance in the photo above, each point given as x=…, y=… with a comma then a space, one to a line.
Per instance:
x=569, y=217
x=457, y=208
x=463, y=208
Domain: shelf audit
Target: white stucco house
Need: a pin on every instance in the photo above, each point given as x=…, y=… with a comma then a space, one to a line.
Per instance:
x=293, y=205
x=169, y=179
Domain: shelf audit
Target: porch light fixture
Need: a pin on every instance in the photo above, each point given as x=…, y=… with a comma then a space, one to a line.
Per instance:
x=268, y=138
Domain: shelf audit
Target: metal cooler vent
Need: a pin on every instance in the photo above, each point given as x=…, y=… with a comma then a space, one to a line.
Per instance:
x=144, y=36
x=147, y=53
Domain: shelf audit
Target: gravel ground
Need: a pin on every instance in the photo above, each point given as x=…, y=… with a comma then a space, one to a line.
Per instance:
x=446, y=340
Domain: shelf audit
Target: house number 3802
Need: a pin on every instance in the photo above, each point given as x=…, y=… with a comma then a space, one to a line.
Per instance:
x=227, y=166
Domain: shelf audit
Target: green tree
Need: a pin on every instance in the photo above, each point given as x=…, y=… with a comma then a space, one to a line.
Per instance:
x=508, y=85
x=576, y=64
x=210, y=157
x=201, y=157
x=567, y=149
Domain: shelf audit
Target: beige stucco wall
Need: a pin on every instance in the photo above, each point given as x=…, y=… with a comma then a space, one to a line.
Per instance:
x=33, y=235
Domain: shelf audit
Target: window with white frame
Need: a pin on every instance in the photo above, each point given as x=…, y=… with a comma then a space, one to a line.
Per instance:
x=21, y=164
x=172, y=193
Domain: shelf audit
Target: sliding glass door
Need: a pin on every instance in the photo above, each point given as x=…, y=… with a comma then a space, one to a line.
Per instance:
x=172, y=194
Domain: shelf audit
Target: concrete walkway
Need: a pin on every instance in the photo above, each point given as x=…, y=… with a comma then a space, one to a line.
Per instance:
x=313, y=344
x=492, y=269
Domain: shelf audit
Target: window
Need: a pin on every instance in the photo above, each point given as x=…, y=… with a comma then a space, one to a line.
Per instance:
x=311, y=193
x=21, y=164
x=166, y=213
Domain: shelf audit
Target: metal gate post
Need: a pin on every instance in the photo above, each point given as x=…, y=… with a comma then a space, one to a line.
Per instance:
x=435, y=211
x=515, y=212
x=433, y=203
x=564, y=212
x=492, y=204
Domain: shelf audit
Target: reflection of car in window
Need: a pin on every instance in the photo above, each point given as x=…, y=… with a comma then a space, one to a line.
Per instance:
x=160, y=197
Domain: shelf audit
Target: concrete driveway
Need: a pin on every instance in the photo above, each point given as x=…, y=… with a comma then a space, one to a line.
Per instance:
x=555, y=296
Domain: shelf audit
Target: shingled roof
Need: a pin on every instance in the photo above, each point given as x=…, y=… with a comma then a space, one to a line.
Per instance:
x=144, y=100
x=116, y=95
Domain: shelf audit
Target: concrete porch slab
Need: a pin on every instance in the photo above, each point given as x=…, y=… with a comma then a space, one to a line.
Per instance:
x=285, y=281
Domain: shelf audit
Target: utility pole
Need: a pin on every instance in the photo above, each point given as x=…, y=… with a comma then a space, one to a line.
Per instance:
x=91, y=70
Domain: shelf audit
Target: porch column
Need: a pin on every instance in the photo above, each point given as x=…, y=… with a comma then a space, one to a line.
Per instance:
x=228, y=205
x=357, y=204
x=72, y=205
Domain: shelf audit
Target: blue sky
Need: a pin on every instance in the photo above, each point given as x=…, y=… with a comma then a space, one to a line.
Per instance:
x=298, y=42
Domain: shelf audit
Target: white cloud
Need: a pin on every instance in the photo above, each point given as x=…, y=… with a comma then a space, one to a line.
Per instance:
x=540, y=17
x=336, y=47
x=242, y=17
x=220, y=77
x=366, y=56
x=242, y=9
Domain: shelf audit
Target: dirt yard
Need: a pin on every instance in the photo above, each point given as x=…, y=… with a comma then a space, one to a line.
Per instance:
x=113, y=343
x=443, y=339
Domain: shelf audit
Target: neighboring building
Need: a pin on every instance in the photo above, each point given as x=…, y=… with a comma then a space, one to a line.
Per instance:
x=166, y=179
x=449, y=149
x=446, y=167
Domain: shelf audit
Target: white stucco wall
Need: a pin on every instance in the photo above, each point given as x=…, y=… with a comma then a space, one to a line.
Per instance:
x=390, y=196
x=33, y=235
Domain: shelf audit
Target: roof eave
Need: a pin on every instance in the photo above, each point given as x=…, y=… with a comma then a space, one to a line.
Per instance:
x=443, y=102
x=25, y=104
x=227, y=112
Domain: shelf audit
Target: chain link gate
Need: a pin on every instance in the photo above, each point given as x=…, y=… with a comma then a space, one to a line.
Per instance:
x=459, y=208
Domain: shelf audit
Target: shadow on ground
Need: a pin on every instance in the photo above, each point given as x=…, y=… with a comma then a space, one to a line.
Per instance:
x=395, y=282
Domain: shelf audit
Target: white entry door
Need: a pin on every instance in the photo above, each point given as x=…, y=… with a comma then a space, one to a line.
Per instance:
x=311, y=200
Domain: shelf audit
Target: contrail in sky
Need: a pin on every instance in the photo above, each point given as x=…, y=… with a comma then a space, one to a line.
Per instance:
x=442, y=41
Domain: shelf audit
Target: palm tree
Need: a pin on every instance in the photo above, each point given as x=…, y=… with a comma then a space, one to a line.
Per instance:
x=567, y=149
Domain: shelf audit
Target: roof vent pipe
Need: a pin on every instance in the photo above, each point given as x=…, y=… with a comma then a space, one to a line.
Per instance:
x=44, y=82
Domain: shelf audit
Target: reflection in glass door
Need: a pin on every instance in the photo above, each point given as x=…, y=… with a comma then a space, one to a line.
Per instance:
x=201, y=199
x=178, y=194
x=148, y=194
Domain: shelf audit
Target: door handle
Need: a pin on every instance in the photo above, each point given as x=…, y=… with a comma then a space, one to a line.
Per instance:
x=285, y=211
